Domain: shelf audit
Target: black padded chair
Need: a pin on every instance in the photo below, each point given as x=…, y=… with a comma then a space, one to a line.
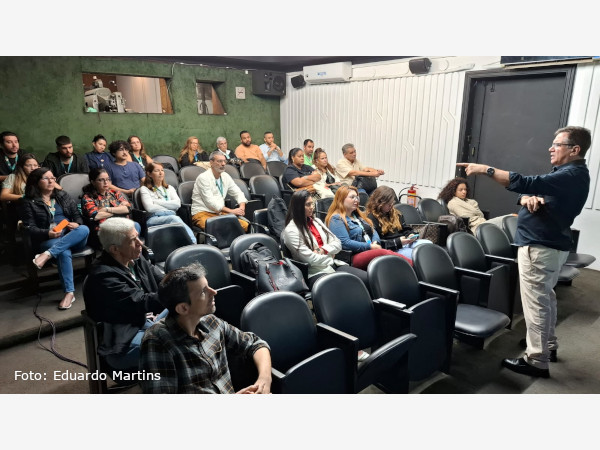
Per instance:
x=431, y=318
x=234, y=289
x=576, y=259
x=430, y=209
x=253, y=203
x=190, y=173
x=265, y=188
x=250, y=169
x=342, y=301
x=171, y=178
x=233, y=171
x=466, y=252
x=221, y=231
x=474, y=322
x=73, y=183
x=509, y=226
x=413, y=217
x=184, y=191
x=163, y=239
x=306, y=358
x=322, y=207
x=276, y=168
x=363, y=199
x=168, y=159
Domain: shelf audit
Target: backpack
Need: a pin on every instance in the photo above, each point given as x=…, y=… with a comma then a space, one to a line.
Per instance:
x=271, y=274
x=276, y=212
x=454, y=223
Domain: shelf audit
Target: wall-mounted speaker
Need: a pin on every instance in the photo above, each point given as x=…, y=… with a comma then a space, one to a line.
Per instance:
x=419, y=66
x=266, y=82
x=298, y=81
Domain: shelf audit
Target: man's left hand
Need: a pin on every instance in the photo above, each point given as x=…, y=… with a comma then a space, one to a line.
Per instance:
x=262, y=386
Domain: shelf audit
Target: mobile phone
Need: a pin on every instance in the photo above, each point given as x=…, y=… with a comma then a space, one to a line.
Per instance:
x=415, y=236
x=63, y=223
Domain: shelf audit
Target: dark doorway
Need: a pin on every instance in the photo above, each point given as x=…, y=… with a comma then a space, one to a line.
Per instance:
x=508, y=122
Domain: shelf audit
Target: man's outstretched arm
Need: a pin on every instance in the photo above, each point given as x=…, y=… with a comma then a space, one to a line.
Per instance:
x=500, y=176
x=262, y=359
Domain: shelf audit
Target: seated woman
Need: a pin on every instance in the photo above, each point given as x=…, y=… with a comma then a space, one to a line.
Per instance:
x=298, y=175
x=389, y=223
x=354, y=229
x=43, y=208
x=456, y=194
x=125, y=176
x=329, y=181
x=99, y=203
x=310, y=241
x=138, y=152
x=192, y=153
x=97, y=157
x=160, y=199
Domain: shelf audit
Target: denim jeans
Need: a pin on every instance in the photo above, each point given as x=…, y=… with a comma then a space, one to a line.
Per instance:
x=60, y=249
x=129, y=359
x=408, y=248
x=161, y=220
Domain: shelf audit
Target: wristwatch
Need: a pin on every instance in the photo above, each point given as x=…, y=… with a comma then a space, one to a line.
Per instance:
x=490, y=171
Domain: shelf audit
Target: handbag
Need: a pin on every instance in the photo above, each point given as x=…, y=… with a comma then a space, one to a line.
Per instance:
x=430, y=231
x=369, y=184
x=280, y=276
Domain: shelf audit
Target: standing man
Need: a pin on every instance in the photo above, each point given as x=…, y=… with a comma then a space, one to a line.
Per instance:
x=222, y=148
x=64, y=160
x=349, y=167
x=188, y=349
x=247, y=150
x=270, y=150
x=9, y=142
x=210, y=190
x=309, y=148
x=550, y=204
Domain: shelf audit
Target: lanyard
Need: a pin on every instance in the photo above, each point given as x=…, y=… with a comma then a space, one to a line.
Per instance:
x=139, y=159
x=365, y=235
x=220, y=186
x=68, y=169
x=162, y=192
x=12, y=166
x=51, y=208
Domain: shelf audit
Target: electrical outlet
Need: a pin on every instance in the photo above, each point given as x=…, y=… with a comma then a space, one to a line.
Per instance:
x=240, y=93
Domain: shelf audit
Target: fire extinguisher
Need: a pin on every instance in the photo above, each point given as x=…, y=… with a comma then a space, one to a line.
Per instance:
x=412, y=198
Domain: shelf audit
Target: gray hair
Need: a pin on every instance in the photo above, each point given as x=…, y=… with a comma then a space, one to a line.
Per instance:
x=214, y=154
x=220, y=139
x=113, y=231
x=173, y=289
x=347, y=147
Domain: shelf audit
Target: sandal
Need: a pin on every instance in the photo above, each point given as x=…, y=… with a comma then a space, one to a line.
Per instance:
x=62, y=308
x=36, y=257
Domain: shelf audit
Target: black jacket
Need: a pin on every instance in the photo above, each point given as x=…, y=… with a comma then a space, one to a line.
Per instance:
x=404, y=232
x=185, y=161
x=112, y=296
x=54, y=163
x=35, y=214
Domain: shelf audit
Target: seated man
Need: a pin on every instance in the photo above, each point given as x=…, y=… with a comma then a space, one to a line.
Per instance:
x=298, y=175
x=9, y=144
x=210, y=190
x=270, y=149
x=189, y=349
x=122, y=291
x=349, y=167
x=64, y=160
x=247, y=150
x=125, y=176
x=309, y=148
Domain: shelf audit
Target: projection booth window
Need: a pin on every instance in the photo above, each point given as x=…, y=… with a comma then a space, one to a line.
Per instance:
x=208, y=99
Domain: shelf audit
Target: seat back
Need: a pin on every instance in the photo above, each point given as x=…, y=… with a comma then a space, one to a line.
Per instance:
x=509, y=226
x=224, y=228
x=466, y=251
x=73, y=183
x=433, y=265
x=215, y=263
x=276, y=168
x=242, y=243
x=137, y=199
x=232, y=171
x=261, y=217
x=284, y=320
x=430, y=209
x=493, y=240
x=250, y=169
x=322, y=207
x=163, y=239
x=169, y=160
x=171, y=178
x=283, y=186
x=410, y=213
x=394, y=279
x=184, y=191
x=444, y=206
x=190, y=173
x=264, y=185
x=342, y=301
x=363, y=198
x=243, y=187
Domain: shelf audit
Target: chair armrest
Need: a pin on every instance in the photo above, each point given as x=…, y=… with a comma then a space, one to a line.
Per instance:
x=149, y=254
x=461, y=271
x=276, y=380
x=247, y=283
x=428, y=287
x=260, y=197
x=501, y=259
x=260, y=228
x=467, y=295
x=391, y=244
x=344, y=255
x=384, y=304
x=328, y=337
x=209, y=238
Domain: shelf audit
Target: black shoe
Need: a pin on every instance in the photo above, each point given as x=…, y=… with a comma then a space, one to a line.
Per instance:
x=520, y=366
x=553, y=354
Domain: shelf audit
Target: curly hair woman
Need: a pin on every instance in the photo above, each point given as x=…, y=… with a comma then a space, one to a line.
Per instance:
x=389, y=223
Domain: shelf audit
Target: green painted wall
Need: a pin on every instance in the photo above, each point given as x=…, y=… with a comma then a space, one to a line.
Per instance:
x=42, y=98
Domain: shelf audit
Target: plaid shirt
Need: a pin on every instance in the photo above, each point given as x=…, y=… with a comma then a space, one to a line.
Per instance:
x=188, y=365
x=91, y=204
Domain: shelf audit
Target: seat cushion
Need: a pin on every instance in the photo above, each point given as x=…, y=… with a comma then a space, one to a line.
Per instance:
x=579, y=260
x=478, y=321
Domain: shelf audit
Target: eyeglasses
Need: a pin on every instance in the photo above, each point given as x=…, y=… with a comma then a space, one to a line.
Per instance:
x=353, y=197
x=48, y=179
x=103, y=180
x=558, y=145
